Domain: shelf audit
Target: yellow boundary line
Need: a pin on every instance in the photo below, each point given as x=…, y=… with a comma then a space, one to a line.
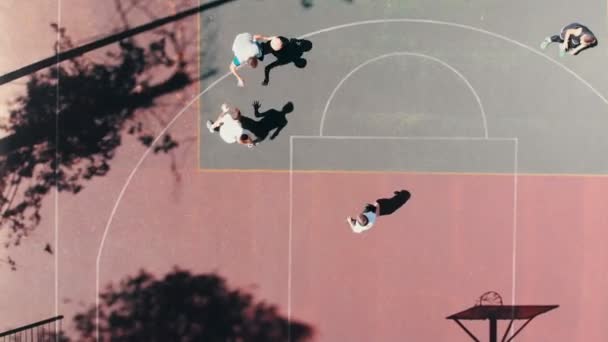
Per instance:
x=392, y=172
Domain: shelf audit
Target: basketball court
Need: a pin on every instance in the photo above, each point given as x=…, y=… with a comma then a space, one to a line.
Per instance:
x=475, y=125
x=500, y=144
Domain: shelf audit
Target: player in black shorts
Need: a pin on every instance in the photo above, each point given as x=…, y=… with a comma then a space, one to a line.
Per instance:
x=573, y=39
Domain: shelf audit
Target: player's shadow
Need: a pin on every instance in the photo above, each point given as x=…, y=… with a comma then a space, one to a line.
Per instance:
x=390, y=205
x=272, y=121
x=292, y=52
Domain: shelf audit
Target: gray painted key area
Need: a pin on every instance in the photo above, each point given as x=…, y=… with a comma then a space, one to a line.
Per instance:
x=398, y=154
x=384, y=71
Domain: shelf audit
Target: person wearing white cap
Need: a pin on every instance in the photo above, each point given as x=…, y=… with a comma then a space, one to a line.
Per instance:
x=229, y=126
x=248, y=49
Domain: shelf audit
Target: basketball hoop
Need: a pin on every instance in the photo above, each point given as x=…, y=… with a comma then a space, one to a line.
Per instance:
x=489, y=298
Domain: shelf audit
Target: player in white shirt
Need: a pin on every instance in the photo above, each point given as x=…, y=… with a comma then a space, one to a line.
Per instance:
x=229, y=126
x=249, y=48
x=366, y=219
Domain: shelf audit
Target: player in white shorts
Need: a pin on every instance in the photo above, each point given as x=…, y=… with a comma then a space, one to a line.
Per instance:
x=229, y=126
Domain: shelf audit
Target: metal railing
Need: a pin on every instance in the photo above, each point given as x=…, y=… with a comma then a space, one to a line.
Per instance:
x=48, y=330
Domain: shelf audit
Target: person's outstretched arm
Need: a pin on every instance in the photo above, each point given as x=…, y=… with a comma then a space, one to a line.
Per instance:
x=260, y=37
x=350, y=223
x=567, y=35
x=233, y=70
x=218, y=122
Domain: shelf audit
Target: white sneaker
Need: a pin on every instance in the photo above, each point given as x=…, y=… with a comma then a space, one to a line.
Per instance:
x=545, y=43
x=210, y=126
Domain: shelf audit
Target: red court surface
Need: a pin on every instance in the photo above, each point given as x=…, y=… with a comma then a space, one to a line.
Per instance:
x=452, y=241
x=283, y=238
x=398, y=281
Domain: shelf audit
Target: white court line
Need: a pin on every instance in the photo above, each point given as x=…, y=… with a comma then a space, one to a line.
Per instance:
x=124, y=189
x=290, y=239
x=386, y=138
x=412, y=54
x=332, y=28
x=56, y=192
x=514, y=251
x=465, y=27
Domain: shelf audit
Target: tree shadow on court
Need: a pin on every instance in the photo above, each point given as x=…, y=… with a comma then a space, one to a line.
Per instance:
x=67, y=126
x=389, y=205
x=185, y=307
x=271, y=120
x=292, y=52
